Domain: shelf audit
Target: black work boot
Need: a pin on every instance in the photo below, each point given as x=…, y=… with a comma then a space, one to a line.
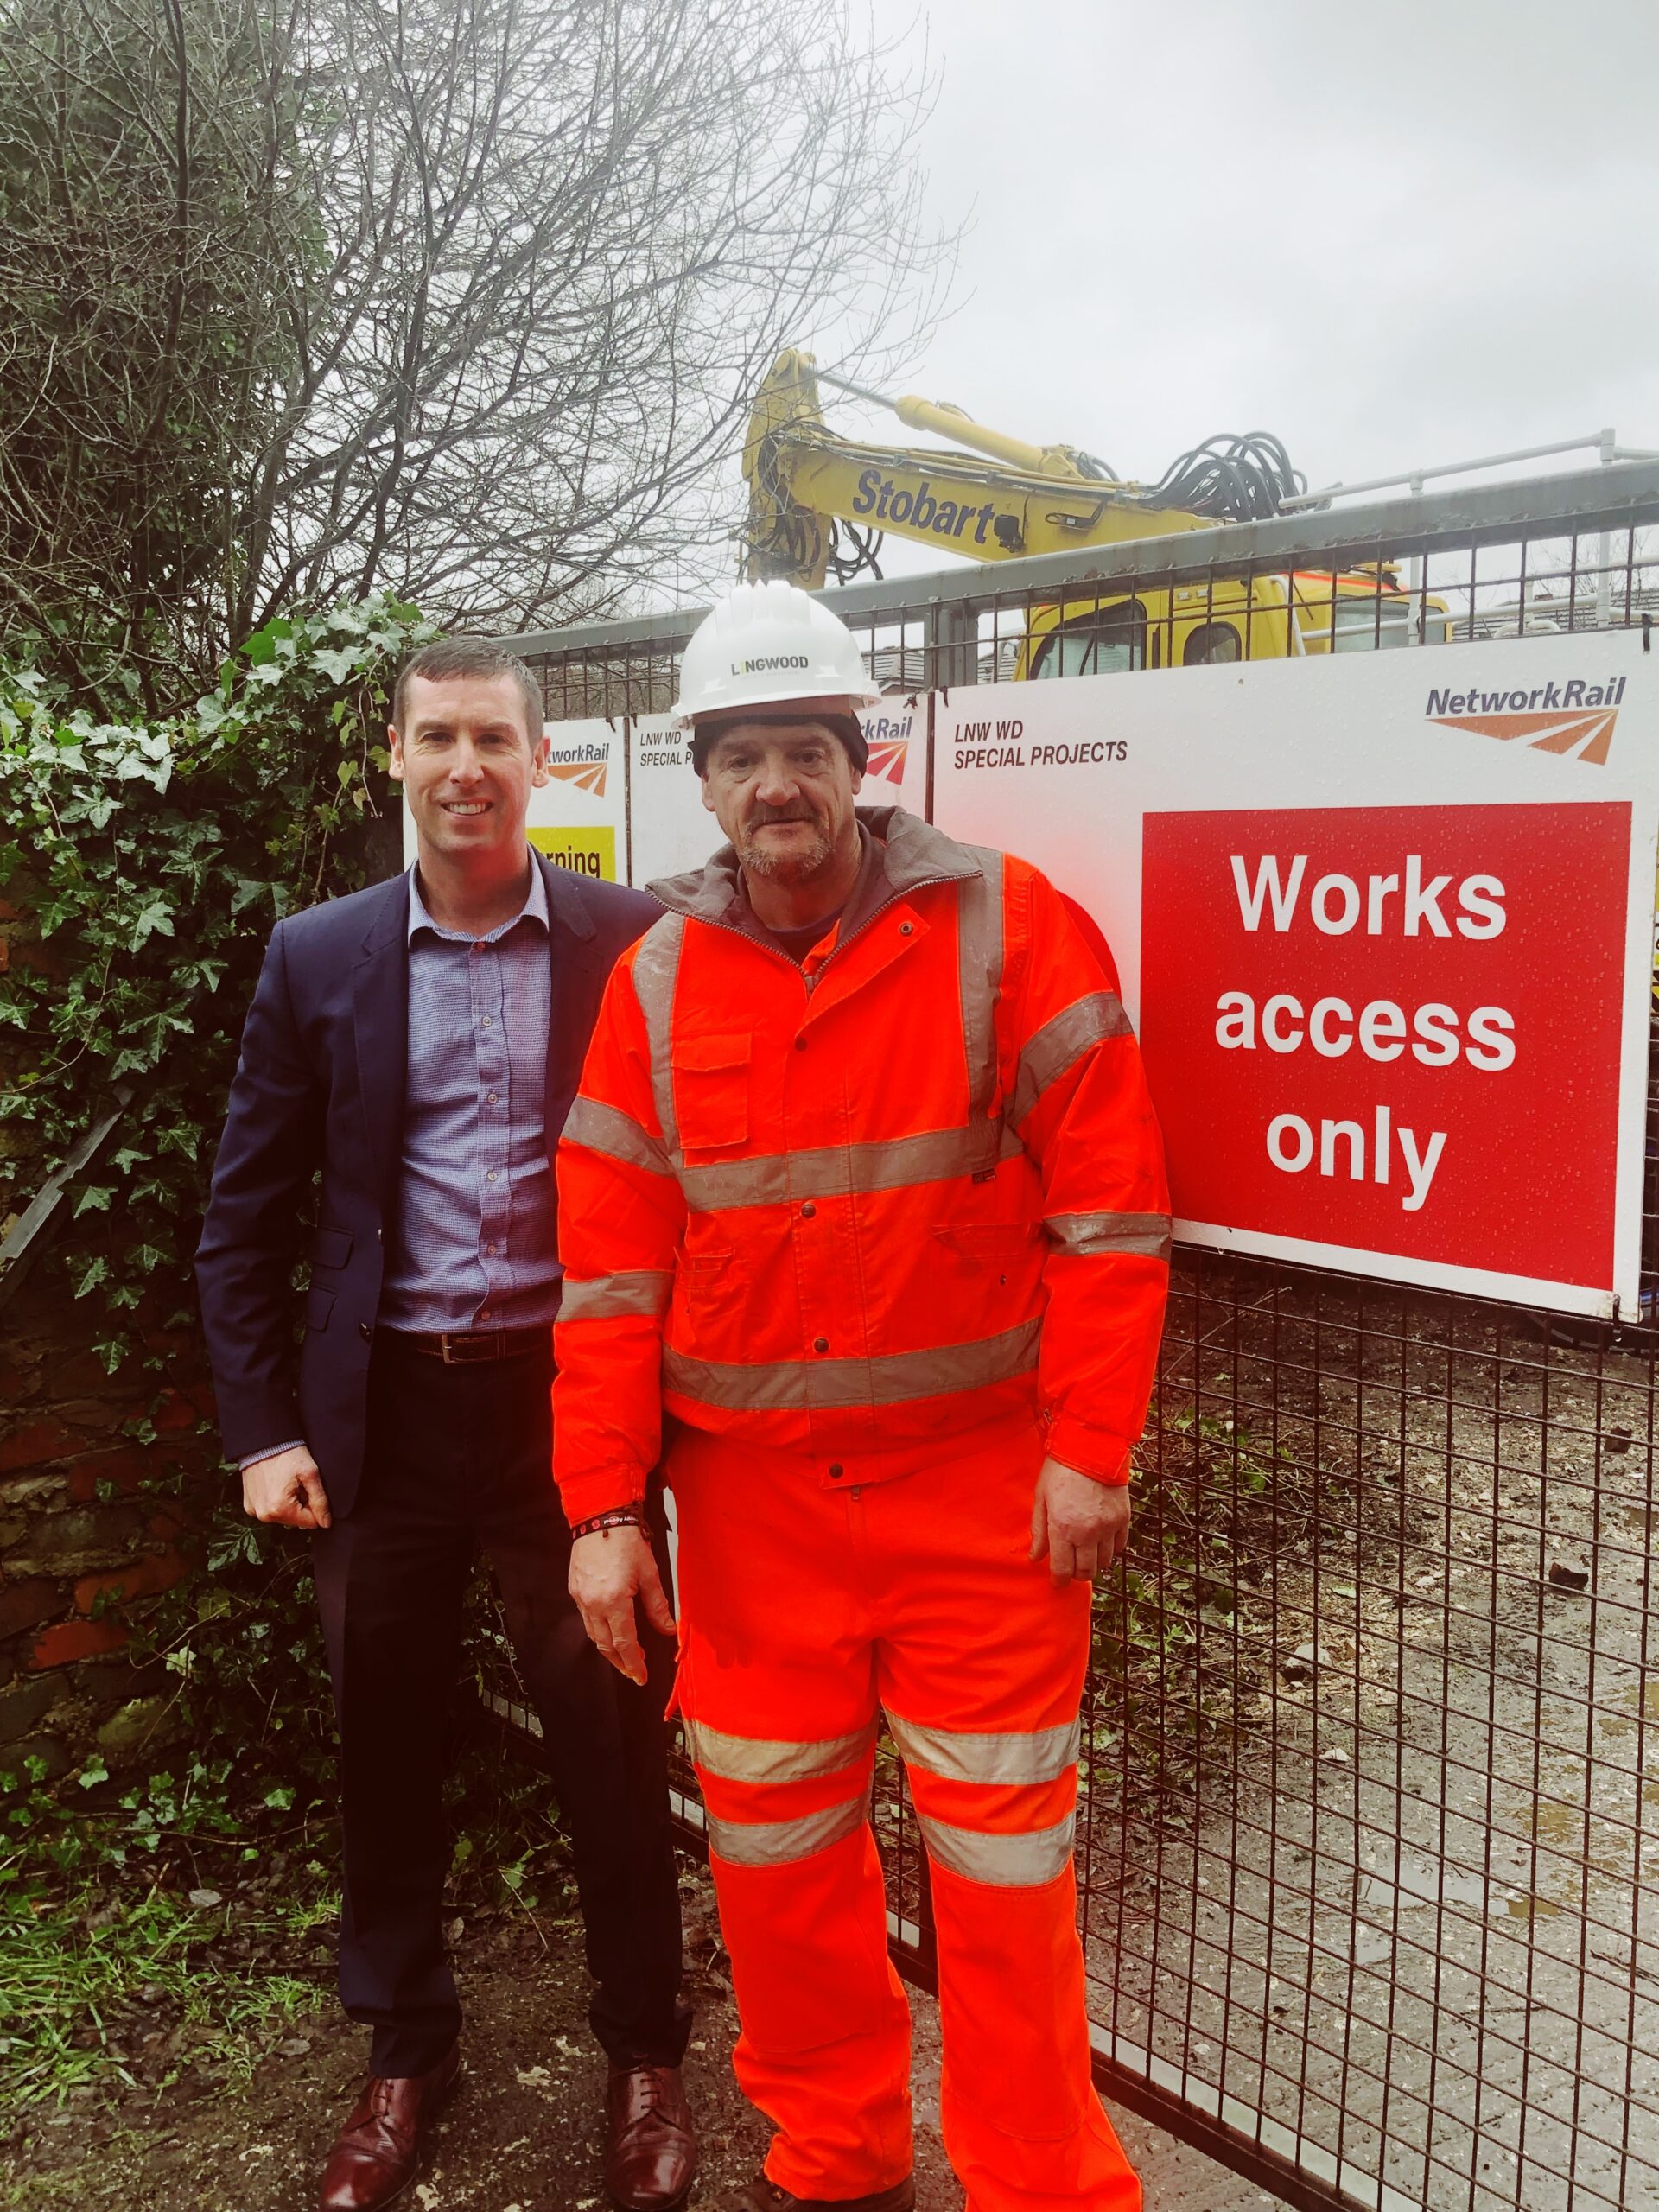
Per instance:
x=764, y=2195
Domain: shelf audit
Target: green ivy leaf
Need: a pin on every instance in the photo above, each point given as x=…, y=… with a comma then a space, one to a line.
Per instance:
x=154, y=916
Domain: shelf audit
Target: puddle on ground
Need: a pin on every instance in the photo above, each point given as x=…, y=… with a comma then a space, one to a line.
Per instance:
x=1556, y=1823
x=1641, y=1701
x=1531, y=1907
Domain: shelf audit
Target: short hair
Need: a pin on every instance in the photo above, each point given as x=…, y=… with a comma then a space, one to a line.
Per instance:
x=450, y=658
x=847, y=727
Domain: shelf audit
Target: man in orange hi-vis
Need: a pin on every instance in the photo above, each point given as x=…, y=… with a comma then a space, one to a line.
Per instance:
x=863, y=1190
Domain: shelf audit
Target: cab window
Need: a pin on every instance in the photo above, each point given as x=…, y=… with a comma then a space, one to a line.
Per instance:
x=1211, y=641
x=1101, y=643
x=1364, y=624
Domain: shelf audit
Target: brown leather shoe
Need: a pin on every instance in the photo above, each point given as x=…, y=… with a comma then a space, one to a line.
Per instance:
x=376, y=2153
x=650, y=2150
x=764, y=2195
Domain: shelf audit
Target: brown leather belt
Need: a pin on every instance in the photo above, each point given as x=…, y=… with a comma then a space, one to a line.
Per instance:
x=470, y=1348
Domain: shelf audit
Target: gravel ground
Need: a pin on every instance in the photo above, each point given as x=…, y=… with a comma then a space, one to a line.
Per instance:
x=524, y=2136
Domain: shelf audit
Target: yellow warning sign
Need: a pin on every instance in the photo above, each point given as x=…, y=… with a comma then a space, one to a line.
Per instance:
x=587, y=852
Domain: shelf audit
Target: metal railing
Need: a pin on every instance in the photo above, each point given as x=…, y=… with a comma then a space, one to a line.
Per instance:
x=1368, y=1838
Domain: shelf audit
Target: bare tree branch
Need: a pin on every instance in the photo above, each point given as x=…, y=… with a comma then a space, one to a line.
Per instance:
x=464, y=299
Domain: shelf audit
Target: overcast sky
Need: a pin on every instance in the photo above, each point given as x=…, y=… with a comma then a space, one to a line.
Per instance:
x=1392, y=234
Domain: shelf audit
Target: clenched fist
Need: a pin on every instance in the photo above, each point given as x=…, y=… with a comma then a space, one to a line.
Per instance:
x=286, y=1488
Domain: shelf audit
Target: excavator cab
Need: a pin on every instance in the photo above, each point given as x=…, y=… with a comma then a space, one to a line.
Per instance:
x=1200, y=626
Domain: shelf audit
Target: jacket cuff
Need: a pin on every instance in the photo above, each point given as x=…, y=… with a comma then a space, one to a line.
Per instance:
x=1092, y=1451
x=248, y=1419
x=598, y=1490
x=252, y=1459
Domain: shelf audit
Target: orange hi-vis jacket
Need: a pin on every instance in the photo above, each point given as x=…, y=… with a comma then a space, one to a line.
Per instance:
x=859, y=1210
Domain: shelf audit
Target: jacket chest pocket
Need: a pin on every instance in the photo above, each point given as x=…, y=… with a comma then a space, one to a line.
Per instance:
x=708, y=1283
x=991, y=1253
x=711, y=1090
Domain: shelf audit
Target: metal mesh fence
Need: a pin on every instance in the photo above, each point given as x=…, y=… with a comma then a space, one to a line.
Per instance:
x=1369, y=1840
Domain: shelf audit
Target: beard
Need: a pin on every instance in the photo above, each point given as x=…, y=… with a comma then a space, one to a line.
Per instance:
x=796, y=867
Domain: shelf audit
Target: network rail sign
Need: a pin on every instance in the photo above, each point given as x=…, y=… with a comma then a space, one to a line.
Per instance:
x=1392, y=979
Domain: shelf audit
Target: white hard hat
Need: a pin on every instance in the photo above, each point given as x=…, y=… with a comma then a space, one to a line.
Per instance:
x=765, y=645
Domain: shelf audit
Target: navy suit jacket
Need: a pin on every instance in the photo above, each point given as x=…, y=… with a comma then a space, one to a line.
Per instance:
x=319, y=1085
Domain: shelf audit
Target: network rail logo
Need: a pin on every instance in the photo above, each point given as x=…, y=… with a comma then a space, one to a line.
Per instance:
x=584, y=765
x=888, y=739
x=1575, y=717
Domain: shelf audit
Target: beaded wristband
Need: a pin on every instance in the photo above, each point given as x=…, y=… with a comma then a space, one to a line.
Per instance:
x=619, y=1517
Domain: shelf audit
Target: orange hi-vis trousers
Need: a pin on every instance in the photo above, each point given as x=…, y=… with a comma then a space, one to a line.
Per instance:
x=805, y=1608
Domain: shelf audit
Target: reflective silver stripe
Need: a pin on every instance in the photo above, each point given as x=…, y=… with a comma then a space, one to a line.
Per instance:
x=655, y=967
x=834, y=1170
x=1010, y=1862
x=979, y=962
x=780, y=1843
x=1084, y=1234
x=603, y=1298
x=609, y=1130
x=753, y=1759
x=956, y=1755
x=1059, y=1043
x=817, y=1385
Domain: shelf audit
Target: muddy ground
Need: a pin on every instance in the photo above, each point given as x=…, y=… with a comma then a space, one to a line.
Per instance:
x=525, y=2134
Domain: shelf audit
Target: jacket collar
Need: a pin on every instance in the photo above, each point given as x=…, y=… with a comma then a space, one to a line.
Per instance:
x=908, y=854
x=565, y=904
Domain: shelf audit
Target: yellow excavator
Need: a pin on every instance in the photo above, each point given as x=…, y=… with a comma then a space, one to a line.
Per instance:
x=819, y=505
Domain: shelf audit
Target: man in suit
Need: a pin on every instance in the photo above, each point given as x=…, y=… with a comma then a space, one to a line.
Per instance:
x=420, y=1043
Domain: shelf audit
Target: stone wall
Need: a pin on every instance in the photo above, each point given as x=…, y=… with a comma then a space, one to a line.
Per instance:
x=90, y=1519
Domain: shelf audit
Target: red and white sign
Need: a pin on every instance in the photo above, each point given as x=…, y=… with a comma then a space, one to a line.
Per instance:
x=1392, y=978
x=1396, y=1029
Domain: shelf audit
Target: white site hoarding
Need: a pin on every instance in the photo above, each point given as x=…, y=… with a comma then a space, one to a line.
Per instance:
x=672, y=829
x=1384, y=923
x=668, y=829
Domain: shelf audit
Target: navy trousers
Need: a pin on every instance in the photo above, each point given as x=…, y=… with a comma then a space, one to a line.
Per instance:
x=459, y=1462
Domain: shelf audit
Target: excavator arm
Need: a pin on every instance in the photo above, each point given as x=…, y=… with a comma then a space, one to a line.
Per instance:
x=993, y=503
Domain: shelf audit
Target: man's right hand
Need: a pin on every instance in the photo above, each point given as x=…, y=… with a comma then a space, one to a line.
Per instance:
x=286, y=1488
x=608, y=1570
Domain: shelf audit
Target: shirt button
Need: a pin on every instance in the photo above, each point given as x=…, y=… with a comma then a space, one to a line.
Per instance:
x=483, y=1313
x=808, y=1211
x=493, y=1100
x=836, y=1470
x=489, y=1175
x=800, y=1044
x=820, y=1343
x=490, y=1250
x=485, y=1023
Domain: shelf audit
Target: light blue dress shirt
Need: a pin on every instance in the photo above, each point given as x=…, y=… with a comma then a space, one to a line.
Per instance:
x=473, y=1240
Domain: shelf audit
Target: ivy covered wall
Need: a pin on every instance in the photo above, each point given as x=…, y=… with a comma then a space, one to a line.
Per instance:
x=141, y=870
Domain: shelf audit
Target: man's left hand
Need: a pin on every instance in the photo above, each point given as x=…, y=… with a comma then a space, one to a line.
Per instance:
x=1082, y=1524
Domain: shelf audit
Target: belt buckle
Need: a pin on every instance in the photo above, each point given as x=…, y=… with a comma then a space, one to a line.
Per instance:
x=446, y=1338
